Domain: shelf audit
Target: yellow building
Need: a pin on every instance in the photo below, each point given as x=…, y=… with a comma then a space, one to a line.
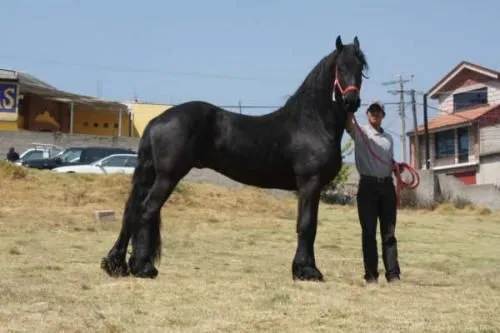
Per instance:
x=142, y=113
x=27, y=103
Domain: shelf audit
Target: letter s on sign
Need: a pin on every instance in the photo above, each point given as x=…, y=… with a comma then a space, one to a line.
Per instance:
x=8, y=98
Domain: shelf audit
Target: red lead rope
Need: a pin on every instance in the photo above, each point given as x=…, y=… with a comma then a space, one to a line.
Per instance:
x=396, y=168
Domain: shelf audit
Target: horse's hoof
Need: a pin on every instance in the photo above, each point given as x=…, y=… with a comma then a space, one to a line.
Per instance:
x=306, y=273
x=142, y=269
x=114, y=267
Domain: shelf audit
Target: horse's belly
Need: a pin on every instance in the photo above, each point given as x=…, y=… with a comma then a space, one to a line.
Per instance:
x=252, y=169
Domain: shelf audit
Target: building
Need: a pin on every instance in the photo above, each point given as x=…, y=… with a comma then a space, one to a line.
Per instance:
x=142, y=113
x=464, y=137
x=27, y=103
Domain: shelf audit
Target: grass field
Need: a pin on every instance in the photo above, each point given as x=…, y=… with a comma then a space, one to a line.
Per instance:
x=226, y=265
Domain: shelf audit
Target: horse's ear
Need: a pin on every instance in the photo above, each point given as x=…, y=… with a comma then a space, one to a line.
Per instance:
x=356, y=42
x=338, y=43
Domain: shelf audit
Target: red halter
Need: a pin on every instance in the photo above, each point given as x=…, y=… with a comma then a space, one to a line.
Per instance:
x=337, y=84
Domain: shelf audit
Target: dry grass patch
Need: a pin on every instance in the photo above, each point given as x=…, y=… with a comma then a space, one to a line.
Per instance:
x=226, y=265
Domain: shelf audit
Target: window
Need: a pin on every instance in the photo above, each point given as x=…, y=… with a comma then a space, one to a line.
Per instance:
x=463, y=145
x=33, y=155
x=132, y=162
x=470, y=98
x=445, y=144
x=70, y=154
x=115, y=161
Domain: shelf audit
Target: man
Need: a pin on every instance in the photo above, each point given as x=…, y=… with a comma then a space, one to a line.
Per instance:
x=376, y=198
x=12, y=155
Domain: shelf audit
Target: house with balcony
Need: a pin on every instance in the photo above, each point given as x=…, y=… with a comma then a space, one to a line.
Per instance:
x=464, y=137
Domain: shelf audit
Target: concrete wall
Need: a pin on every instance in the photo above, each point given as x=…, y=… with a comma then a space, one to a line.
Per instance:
x=489, y=170
x=435, y=187
x=487, y=195
x=22, y=140
x=490, y=134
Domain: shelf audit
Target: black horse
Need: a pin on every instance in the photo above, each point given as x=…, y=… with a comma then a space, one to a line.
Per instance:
x=297, y=147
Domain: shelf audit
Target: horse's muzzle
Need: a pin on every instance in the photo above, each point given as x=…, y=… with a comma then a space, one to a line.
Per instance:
x=351, y=101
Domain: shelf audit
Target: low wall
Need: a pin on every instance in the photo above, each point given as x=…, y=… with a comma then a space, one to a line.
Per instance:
x=487, y=195
x=435, y=187
x=22, y=140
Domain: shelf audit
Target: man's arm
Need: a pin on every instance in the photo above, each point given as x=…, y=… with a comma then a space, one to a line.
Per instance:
x=350, y=126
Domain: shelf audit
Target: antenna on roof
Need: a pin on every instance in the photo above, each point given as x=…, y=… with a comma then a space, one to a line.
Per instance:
x=136, y=98
x=99, y=89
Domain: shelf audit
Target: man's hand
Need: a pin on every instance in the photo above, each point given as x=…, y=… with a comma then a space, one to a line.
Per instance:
x=349, y=123
x=399, y=166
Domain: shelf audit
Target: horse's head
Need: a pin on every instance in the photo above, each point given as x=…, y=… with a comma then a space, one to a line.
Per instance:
x=349, y=65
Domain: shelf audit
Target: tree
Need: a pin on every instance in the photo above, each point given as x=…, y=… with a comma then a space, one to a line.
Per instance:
x=328, y=192
x=344, y=172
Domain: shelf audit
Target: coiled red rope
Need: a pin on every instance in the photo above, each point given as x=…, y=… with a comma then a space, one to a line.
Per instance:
x=397, y=168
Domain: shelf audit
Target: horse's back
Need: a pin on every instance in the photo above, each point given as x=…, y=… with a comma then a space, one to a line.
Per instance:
x=250, y=149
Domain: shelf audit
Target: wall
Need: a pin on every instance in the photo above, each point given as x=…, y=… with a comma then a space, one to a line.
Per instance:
x=23, y=140
x=40, y=114
x=142, y=113
x=489, y=170
x=435, y=186
x=446, y=99
x=487, y=195
x=99, y=122
x=8, y=125
x=489, y=133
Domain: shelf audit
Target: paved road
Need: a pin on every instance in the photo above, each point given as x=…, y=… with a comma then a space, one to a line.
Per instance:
x=212, y=177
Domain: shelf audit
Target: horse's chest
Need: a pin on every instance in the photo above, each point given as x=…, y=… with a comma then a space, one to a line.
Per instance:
x=321, y=158
x=330, y=167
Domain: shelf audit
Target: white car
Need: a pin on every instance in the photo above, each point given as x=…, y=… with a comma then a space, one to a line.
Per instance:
x=40, y=151
x=116, y=163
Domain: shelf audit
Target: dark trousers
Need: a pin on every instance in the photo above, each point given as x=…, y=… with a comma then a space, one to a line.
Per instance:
x=376, y=199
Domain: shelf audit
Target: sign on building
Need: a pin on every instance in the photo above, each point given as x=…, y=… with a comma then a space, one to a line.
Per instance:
x=8, y=101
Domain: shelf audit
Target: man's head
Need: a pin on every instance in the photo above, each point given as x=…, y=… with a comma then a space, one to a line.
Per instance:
x=375, y=113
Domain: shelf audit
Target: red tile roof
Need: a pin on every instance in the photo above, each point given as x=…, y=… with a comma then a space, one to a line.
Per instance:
x=457, y=118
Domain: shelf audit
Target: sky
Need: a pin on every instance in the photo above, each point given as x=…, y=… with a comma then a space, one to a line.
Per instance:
x=253, y=52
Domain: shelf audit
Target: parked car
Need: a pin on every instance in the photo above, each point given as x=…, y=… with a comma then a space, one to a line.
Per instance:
x=116, y=163
x=76, y=156
x=39, y=151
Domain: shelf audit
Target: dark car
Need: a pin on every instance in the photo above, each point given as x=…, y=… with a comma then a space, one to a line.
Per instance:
x=76, y=156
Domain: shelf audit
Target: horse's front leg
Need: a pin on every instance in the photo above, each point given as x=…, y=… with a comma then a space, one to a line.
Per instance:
x=304, y=263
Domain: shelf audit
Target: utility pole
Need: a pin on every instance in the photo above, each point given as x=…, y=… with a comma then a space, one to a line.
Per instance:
x=416, y=138
x=426, y=136
x=401, y=91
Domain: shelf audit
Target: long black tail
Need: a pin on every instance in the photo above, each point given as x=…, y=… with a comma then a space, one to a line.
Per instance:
x=142, y=181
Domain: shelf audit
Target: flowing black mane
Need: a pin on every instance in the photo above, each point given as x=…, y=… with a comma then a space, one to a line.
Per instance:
x=295, y=148
x=318, y=84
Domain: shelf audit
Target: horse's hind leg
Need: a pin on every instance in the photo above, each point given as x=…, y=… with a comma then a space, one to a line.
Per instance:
x=146, y=240
x=114, y=263
x=172, y=161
